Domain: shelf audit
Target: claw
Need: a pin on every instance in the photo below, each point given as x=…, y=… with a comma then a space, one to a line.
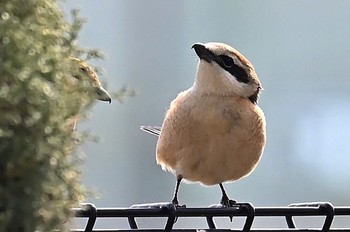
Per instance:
x=226, y=202
x=175, y=202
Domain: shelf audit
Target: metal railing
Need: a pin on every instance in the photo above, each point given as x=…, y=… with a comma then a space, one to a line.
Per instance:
x=246, y=210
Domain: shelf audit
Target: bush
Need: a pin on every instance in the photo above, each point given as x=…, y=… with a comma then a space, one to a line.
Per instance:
x=39, y=177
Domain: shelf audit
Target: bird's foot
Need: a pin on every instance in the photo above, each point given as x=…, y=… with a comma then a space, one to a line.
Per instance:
x=175, y=202
x=226, y=202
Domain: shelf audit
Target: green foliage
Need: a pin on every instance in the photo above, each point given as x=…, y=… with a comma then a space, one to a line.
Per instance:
x=39, y=177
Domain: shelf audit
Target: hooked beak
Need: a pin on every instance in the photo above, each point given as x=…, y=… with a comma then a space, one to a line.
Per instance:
x=102, y=94
x=203, y=52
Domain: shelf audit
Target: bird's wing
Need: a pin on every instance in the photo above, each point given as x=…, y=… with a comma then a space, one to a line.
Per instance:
x=154, y=130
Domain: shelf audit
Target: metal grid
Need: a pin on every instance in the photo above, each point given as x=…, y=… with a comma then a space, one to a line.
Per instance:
x=246, y=210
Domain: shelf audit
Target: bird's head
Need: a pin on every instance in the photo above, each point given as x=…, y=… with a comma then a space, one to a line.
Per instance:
x=84, y=74
x=223, y=70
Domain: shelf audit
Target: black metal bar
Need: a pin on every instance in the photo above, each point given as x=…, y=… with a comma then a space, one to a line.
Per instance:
x=290, y=222
x=328, y=207
x=132, y=223
x=214, y=230
x=197, y=212
x=241, y=210
x=168, y=208
x=324, y=208
x=92, y=212
x=342, y=211
x=238, y=209
x=250, y=216
x=210, y=222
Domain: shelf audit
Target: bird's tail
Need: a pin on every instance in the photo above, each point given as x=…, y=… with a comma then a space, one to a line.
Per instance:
x=154, y=130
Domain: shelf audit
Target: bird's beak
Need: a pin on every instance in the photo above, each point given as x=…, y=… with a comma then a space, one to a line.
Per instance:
x=203, y=52
x=102, y=94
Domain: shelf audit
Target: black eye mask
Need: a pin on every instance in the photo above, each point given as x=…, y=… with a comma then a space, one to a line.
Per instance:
x=229, y=65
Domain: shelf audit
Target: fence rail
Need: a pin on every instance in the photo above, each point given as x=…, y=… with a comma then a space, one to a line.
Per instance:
x=246, y=210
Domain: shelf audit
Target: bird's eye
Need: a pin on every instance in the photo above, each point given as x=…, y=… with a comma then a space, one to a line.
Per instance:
x=227, y=61
x=237, y=71
x=83, y=69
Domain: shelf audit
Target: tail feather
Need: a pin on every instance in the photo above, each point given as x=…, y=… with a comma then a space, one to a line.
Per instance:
x=154, y=130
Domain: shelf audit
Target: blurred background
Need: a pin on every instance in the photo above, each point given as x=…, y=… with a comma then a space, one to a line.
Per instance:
x=300, y=50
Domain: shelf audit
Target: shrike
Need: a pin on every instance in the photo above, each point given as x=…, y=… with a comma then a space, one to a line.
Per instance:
x=82, y=72
x=214, y=132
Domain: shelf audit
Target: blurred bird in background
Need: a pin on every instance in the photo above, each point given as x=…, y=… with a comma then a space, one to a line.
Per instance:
x=214, y=132
x=84, y=74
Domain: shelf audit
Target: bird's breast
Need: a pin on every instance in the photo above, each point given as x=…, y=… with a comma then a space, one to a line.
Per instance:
x=211, y=139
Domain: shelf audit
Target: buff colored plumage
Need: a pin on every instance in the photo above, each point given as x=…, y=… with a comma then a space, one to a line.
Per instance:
x=214, y=132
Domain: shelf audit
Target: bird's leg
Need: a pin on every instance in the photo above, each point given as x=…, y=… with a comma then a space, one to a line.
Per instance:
x=225, y=200
x=175, y=201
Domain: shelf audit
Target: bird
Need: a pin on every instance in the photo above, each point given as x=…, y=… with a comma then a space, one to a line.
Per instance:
x=214, y=132
x=83, y=72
